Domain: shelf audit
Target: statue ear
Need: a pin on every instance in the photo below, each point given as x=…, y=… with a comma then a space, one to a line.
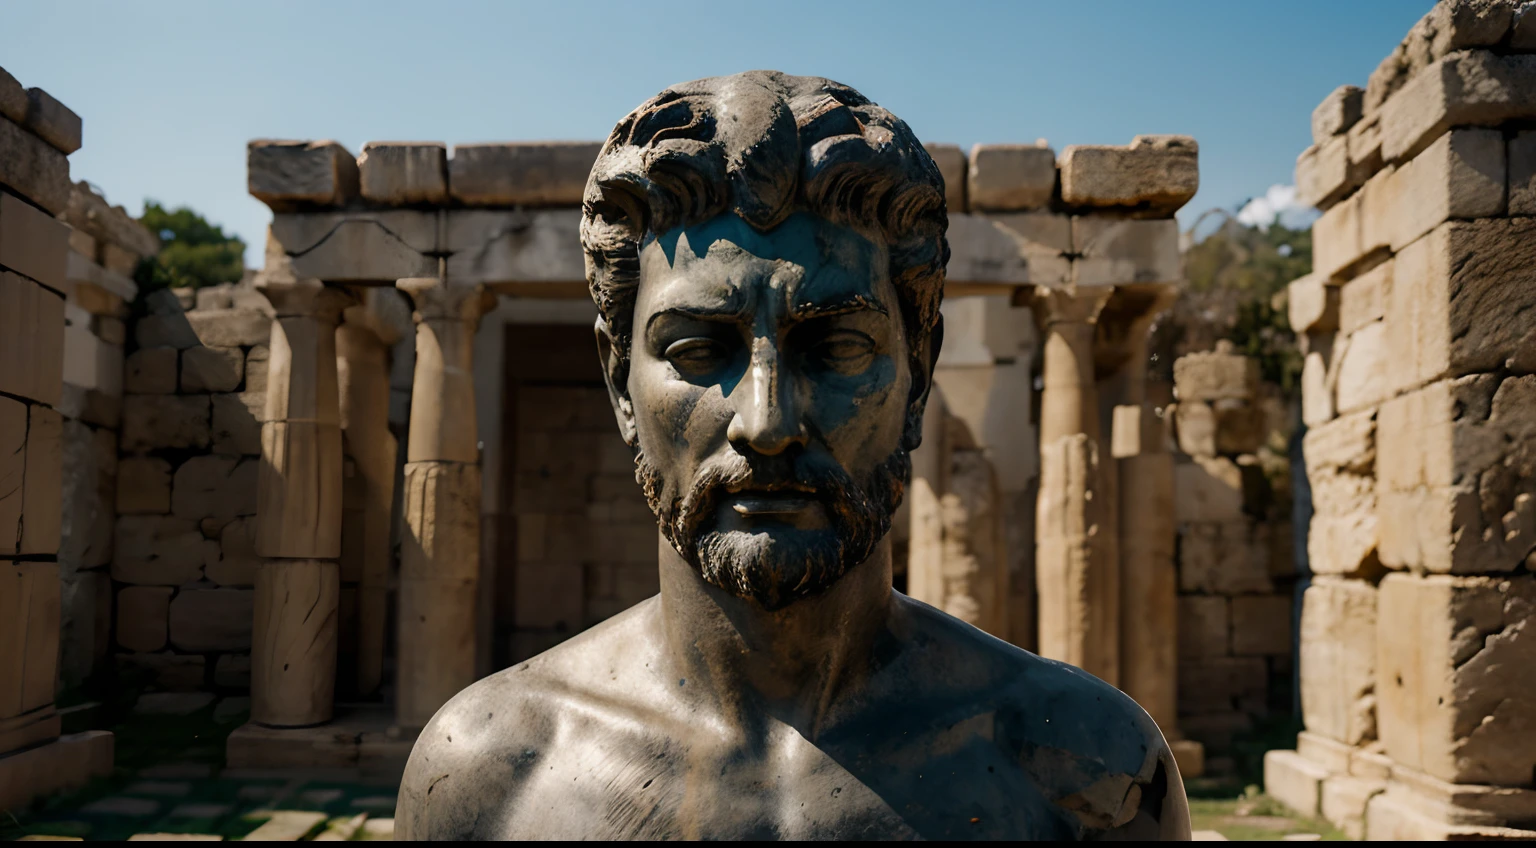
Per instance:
x=923, y=360
x=616, y=375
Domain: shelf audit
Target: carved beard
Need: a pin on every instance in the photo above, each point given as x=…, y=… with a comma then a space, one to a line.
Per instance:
x=775, y=568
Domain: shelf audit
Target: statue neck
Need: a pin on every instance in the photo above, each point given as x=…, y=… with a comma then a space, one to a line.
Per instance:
x=795, y=664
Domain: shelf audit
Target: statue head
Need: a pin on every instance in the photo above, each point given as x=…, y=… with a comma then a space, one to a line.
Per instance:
x=767, y=256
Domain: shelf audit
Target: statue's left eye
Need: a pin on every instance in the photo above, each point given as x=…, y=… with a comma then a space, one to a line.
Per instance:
x=846, y=350
x=695, y=355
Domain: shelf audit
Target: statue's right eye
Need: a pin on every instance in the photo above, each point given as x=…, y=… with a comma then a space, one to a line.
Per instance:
x=695, y=355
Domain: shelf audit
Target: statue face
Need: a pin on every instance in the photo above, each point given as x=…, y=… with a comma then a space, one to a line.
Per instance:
x=769, y=379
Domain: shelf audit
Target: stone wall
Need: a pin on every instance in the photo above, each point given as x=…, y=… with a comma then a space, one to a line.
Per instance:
x=183, y=563
x=1420, y=399
x=1235, y=567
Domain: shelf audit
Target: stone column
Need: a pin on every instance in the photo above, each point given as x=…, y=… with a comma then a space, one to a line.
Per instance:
x=362, y=347
x=440, y=557
x=298, y=510
x=1069, y=564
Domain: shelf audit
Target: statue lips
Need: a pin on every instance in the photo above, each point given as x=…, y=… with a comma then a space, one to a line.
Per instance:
x=781, y=499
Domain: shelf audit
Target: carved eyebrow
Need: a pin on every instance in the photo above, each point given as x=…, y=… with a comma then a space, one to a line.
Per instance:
x=842, y=306
x=698, y=313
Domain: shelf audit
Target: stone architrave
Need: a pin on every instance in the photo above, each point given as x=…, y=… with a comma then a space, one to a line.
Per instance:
x=298, y=513
x=1069, y=563
x=440, y=554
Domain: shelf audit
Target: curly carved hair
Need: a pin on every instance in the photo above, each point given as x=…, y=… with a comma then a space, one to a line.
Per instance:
x=763, y=145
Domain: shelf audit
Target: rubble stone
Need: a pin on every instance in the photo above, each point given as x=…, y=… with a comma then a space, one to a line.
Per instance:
x=1216, y=375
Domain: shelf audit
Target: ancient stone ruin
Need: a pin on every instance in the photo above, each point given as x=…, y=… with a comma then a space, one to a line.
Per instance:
x=1420, y=402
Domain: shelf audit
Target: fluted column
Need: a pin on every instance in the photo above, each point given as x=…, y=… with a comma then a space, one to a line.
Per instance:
x=298, y=511
x=440, y=557
x=363, y=342
x=1070, y=567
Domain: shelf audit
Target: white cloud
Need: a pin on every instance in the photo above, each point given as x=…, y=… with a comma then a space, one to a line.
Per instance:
x=1277, y=203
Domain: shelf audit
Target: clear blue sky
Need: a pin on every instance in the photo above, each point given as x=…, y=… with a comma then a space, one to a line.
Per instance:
x=171, y=91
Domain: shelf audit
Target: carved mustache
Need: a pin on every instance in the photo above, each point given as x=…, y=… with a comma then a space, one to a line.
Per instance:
x=731, y=472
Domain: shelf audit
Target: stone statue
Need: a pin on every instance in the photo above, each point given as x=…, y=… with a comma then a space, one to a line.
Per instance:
x=767, y=254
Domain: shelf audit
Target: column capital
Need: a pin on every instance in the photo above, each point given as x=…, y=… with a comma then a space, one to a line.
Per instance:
x=304, y=297
x=437, y=299
x=1070, y=304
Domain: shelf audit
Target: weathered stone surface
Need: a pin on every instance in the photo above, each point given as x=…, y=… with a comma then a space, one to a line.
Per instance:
x=1338, y=659
x=212, y=369
x=953, y=167
x=230, y=327
x=1355, y=229
x=1155, y=174
x=1402, y=814
x=31, y=339
x=1337, y=113
x=143, y=486
x=108, y=224
x=1313, y=305
x=1317, y=382
x=521, y=173
x=1344, y=800
x=1522, y=171
x=1466, y=88
x=32, y=242
x=33, y=168
x=1331, y=754
x=1218, y=489
x=52, y=121
x=164, y=421
x=1362, y=376
x=233, y=562
x=13, y=98
x=151, y=371
x=1363, y=141
x=1009, y=249
x=1460, y=300
x=217, y=487
x=1461, y=174
x=157, y=550
x=1454, y=655
x=237, y=423
x=292, y=174
x=1195, y=426
x=256, y=363
x=1229, y=558
x=1010, y=177
x=1261, y=625
x=1117, y=251
x=171, y=331
x=403, y=172
x=1204, y=626
x=142, y=613
x=1523, y=29
x=513, y=246
x=1216, y=375
x=1364, y=298
x=1294, y=781
x=204, y=620
x=1219, y=684
x=1325, y=175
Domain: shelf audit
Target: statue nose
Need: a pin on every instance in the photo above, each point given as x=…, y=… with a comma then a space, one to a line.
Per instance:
x=768, y=415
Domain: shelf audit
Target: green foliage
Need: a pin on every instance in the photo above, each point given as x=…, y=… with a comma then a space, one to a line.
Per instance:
x=193, y=252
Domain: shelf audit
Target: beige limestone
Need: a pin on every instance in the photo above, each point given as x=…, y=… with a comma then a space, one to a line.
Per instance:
x=164, y=421
x=1218, y=489
x=1522, y=172
x=151, y=371
x=118, y=260
x=1465, y=88
x=293, y=174
x=1453, y=655
x=403, y=172
x=953, y=167
x=521, y=173
x=32, y=242
x=236, y=427
x=1313, y=305
x=1195, y=426
x=1216, y=375
x=1337, y=113
x=446, y=319
x=143, y=486
x=233, y=562
x=1155, y=174
x=32, y=168
x=1332, y=755
x=1009, y=249
x=1010, y=177
x=1400, y=814
x=1119, y=251
x=158, y=550
x=1338, y=659
x=1204, y=626
x=209, y=620
x=217, y=487
x=227, y=328
x=257, y=360
x=107, y=224
x=212, y=369
x=330, y=233
x=1363, y=141
x=41, y=486
x=1261, y=625
x=1148, y=608
x=515, y=246
x=31, y=340
x=1459, y=175
x=1363, y=299
x=1344, y=800
x=142, y=616
x=1294, y=781
x=30, y=611
x=29, y=729
x=1224, y=558
x=293, y=642
x=1362, y=369
x=1464, y=803
x=1325, y=175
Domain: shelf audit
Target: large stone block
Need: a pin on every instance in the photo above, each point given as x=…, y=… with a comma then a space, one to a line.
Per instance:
x=1362, y=376
x=1337, y=113
x=1338, y=659
x=953, y=166
x=236, y=429
x=287, y=175
x=13, y=98
x=1217, y=684
x=1344, y=799
x=1294, y=781
x=1228, y=558
x=1456, y=470
x=1460, y=175
x=52, y=121
x=143, y=486
x=204, y=620
x=231, y=327
x=42, y=486
x=1346, y=444
x=1261, y=625
x=1402, y=814
x=212, y=369
x=151, y=371
x=400, y=173
x=234, y=561
x=108, y=224
x=1454, y=656
x=216, y=487
x=1204, y=626
x=1113, y=251
x=1216, y=375
x=257, y=362
x=1466, y=88
x=13, y=471
x=142, y=613
x=1218, y=489
x=1155, y=174
x=32, y=242
x=1354, y=229
x=1010, y=177
x=1030, y=248
x=1460, y=300
x=31, y=339
x=1319, y=375
x=1313, y=306
x=158, y=550
x=29, y=622
x=164, y=421
x=549, y=173
x=33, y=168
x=515, y=246
x=1325, y=175
x=1522, y=171
x=1363, y=299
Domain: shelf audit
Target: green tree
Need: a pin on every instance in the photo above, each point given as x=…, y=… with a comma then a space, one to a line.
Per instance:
x=193, y=252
